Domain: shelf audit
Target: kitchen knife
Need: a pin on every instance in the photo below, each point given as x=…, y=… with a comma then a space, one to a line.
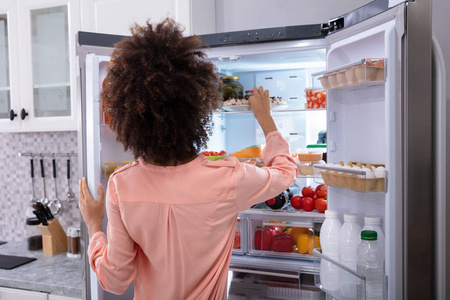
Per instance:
x=41, y=217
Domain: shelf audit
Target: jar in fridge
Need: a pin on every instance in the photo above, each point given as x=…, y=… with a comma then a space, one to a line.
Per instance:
x=34, y=235
x=312, y=153
x=232, y=88
x=248, y=94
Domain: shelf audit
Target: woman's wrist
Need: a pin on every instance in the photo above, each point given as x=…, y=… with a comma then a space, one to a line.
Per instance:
x=267, y=124
x=93, y=228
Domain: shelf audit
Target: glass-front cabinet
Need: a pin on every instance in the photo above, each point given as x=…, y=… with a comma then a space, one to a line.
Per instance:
x=42, y=97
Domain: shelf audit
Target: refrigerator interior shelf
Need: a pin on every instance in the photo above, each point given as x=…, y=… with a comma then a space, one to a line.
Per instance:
x=287, y=110
x=352, y=179
x=110, y=167
x=350, y=284
x=357, y=75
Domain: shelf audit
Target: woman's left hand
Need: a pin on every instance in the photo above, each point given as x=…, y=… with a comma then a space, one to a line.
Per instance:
x=92, y=211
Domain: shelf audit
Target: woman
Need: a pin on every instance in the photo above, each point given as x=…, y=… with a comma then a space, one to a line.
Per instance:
x=172, y=213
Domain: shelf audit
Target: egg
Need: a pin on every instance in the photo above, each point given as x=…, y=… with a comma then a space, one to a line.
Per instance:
x=379, y=172
x=369, y=173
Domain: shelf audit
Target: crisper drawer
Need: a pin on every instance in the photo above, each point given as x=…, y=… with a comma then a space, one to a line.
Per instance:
x=240, y=241
x=289, y=235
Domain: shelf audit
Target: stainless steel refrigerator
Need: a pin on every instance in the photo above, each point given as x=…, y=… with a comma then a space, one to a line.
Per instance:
x=400, y=122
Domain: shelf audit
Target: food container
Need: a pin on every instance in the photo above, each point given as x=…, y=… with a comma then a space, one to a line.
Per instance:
x=325, y=82
x=289, y=235
x=34, y=235
x=248, y=94
x=312, y=153
x=232, y=88
x=315, y=98
x=341, y=78
x=73, y=241
x=238, y=245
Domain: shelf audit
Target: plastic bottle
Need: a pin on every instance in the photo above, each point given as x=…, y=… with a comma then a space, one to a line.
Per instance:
x=329, y=241
x=373, y=223
x=371, y=266
x=349, y=240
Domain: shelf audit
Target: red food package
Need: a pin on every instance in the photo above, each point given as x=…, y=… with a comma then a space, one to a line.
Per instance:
x=282, y=242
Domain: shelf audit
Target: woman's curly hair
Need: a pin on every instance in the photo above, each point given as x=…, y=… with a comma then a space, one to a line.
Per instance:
x=161, y=93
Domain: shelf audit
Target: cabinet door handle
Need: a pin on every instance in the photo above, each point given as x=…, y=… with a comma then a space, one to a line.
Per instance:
x=12, y=115
x=23, y=114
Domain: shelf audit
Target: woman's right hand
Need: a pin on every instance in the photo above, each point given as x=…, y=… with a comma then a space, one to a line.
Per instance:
x=261, y=105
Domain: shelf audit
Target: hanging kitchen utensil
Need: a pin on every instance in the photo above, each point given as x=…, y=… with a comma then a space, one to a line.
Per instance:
x=70, y=194
x=34, y=199
x=55, y=205
x=44, y=200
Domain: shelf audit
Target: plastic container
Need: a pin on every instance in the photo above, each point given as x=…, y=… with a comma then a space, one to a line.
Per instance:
x=315, y=98
x=329, y=241
x=373, y=223
x=371, y=266
x=349, y=239
x=34, y=235
x=73, y=242
x=232, y=88
x=312, y=153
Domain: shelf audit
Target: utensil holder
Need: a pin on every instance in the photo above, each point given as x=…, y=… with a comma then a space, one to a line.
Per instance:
x=54, y=238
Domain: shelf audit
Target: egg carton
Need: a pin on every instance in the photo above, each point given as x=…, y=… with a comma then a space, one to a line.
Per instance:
x=367, y=70
x=350, y=179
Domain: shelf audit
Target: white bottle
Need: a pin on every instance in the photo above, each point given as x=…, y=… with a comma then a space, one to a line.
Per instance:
x=349, y=240
x=329, y=241
x=373, y=223
x=371, y=266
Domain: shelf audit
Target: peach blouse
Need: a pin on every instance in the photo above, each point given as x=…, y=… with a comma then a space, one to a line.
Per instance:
x=171, y=229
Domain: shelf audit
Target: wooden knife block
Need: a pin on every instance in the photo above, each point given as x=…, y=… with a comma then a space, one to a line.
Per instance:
x=54, y=238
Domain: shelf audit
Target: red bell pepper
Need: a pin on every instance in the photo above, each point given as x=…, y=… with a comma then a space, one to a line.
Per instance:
x=282, y=242
x=263, y=239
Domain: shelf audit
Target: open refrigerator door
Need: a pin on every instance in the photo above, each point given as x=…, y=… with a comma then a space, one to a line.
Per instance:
x=102, y=154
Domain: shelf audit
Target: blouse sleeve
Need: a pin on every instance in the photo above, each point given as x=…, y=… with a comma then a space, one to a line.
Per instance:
x=255, y=185
x=113, y=258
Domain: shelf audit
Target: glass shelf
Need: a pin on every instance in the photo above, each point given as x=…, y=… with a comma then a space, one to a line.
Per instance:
x=352, y=179
x=273, y=111
x=357, y=75
x=349, y=284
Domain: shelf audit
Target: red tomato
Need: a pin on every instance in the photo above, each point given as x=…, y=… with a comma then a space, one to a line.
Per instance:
x=318, y=188
x=205, y=153
x=308, y=204
x=308, y=192
x=321, y=205
x=322, y=192
x=222, y=152
x=296, y=202
x=237, y=240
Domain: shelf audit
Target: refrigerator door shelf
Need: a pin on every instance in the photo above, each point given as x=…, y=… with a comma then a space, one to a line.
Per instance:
x=353, y=179
x=350, y=284
x=358, y=75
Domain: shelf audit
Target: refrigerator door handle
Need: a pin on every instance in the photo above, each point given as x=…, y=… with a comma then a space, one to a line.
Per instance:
x=439, y=95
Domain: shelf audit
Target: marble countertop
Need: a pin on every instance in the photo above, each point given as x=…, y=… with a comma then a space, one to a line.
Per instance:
x=54, y=274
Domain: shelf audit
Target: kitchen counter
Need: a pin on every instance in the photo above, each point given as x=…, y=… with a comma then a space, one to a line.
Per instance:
x=54, y=274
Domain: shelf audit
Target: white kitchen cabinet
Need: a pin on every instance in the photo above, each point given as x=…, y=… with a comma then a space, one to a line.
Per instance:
x=42, y=65
x=15, y=294
x=116, y=16
x=57, y=297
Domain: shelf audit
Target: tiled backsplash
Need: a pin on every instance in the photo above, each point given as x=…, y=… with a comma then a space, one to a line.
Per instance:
x=15, y=179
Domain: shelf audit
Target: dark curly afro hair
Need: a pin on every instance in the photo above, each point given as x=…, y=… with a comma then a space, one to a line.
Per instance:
x=160, y=93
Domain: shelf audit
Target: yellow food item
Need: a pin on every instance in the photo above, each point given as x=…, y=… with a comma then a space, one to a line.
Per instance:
x=250, y=152
x=108, y=169
x=303, y=243
x=276, y=221
x=296, y=231
x=313, y=243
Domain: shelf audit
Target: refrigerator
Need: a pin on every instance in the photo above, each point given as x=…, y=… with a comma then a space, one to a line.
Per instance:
x=397, y=120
